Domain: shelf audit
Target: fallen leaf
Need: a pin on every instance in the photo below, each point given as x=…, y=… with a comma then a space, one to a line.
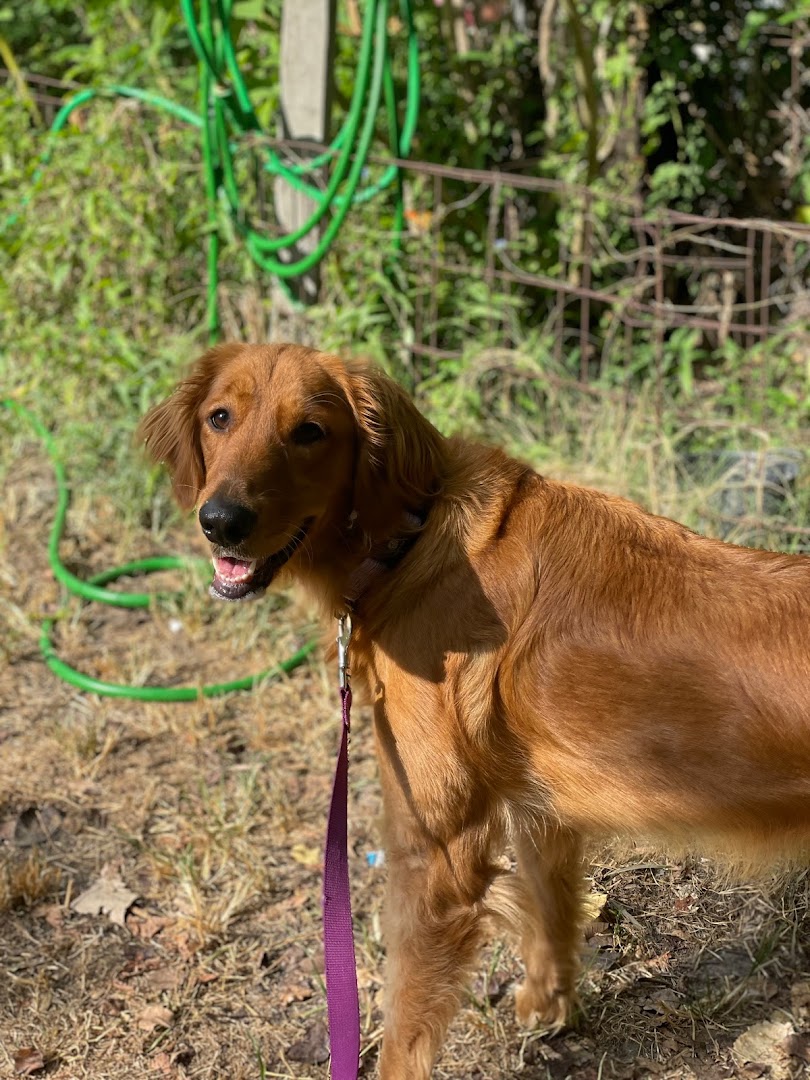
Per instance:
x=419, y=221
x=28, y=1060
x=163, y=1063
x=106, y=896
x=289, y=960
x=592, y=905
x=664, y=1003
x=53, y=914
x=181, y=941
x=626, y=976
x=798, y=1046
x=313, y=1049
x=171, y=1064
x=307, y=856
x=685, y=903
x=297, y=991
x=597, y=936
x=674, y=932
x=154, y=1016
x=144, y=924
x=141, y=961
x=764, y=1045
x=163, y=978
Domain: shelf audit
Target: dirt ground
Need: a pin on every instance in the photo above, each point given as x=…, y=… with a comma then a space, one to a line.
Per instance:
x=204, y=821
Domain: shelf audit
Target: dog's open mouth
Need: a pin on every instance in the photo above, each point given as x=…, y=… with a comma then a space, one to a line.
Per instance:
x=246, y=579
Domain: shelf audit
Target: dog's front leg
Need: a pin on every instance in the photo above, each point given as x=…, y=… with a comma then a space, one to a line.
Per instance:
x=432, y=925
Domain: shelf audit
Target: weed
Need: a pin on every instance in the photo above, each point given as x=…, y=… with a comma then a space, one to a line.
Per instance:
x=26, y=880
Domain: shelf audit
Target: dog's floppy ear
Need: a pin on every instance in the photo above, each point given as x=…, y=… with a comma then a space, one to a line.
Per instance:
x=399, y=453
x=171, y=429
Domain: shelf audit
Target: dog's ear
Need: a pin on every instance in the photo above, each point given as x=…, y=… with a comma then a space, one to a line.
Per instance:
x=171, y=430
x=399, y=463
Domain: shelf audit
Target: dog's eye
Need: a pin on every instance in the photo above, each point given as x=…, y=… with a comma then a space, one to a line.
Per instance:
x=308, y=433
x=219, y=419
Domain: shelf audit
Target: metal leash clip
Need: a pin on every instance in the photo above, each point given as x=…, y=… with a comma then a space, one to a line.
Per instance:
x=343, y=639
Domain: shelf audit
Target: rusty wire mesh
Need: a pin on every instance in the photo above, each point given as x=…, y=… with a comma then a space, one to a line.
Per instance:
x=592, y=272
x=588, y=268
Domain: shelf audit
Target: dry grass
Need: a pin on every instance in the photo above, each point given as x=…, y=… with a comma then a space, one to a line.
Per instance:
x=213, y=813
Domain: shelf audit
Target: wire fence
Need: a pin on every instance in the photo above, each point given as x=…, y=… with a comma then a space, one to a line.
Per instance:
x=593, y=273
x=590, y=269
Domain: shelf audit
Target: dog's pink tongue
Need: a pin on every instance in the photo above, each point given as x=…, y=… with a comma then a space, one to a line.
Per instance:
x=230, y=569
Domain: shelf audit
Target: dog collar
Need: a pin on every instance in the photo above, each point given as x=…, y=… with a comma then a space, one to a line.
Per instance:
x=385, y=556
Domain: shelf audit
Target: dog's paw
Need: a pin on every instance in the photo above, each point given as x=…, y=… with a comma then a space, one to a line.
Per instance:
x=537, y=1005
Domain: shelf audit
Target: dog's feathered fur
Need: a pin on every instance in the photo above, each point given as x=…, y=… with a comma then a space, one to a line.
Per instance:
x=546, y=663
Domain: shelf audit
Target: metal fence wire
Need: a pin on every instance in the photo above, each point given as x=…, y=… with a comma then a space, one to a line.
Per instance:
x=591, y=271
x=490, y=255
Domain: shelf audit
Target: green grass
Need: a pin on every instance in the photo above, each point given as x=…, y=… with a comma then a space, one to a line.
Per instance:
x=102, y=288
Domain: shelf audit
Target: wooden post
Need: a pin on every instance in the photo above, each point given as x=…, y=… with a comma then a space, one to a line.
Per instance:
x=307, y=54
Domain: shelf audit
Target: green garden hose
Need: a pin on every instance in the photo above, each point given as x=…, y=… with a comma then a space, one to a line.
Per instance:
x=93, y=589
x=226, y=115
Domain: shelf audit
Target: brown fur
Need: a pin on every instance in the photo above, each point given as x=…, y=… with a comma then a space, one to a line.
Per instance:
x=547, y=663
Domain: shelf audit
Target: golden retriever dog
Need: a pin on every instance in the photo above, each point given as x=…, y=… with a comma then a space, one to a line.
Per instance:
x=546, y=663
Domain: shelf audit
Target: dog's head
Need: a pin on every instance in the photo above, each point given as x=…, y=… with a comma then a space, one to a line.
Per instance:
x=284, y=449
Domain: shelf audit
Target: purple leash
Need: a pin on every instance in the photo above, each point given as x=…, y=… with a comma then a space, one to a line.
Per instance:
x=342, y=1001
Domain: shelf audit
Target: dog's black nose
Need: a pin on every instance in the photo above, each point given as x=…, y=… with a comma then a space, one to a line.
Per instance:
x=225, y=522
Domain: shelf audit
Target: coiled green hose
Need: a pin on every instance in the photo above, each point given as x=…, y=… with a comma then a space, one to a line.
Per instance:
x=93, y=589
x=226, y=114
